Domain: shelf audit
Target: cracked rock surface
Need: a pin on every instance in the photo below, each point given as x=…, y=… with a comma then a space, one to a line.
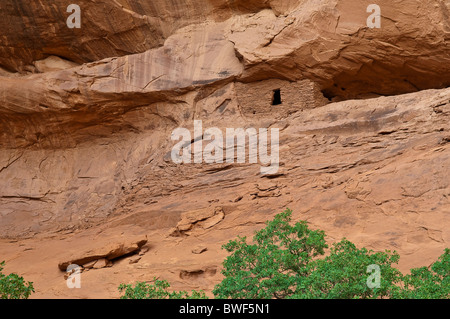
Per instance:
x=86, y=117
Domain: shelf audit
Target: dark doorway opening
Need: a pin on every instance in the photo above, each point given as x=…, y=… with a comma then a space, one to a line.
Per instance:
x=276, y=97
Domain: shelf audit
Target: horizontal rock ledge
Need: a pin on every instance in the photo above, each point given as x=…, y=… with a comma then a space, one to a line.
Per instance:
x=109, y=253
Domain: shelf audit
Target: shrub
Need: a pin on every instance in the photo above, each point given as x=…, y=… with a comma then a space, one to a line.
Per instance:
x=14, y=286
x=282, y=264
x=287, y=261
x=343, y=274
x=271, y=267
x=157, y=290
x=428, y=283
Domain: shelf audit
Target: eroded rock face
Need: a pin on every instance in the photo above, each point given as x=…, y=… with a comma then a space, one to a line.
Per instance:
x=109, y=28
x=86, y=118
x=330, y=43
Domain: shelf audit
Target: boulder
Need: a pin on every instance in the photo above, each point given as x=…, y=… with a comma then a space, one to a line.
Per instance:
x=103, y=255
x=198, y=220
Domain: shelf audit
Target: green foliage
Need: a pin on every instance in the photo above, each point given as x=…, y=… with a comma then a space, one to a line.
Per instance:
x=14, y=286
x=284, y=262
x=343, y=274
x=426, y=283
x=272, y=267
x=157, y=290
x=287, y=261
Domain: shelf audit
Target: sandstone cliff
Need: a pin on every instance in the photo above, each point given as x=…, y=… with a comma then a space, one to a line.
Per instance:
x=86, y=117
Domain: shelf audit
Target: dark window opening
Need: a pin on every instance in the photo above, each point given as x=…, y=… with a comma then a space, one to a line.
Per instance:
x=328, y=94
x=276, y=97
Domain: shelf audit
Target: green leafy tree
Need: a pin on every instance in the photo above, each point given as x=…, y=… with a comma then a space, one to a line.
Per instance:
x=272, y=266
x=283, y=263
x=344, y=274
x=287, y=261
x=14, y=286
x=428, y=283
x=157, y=290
